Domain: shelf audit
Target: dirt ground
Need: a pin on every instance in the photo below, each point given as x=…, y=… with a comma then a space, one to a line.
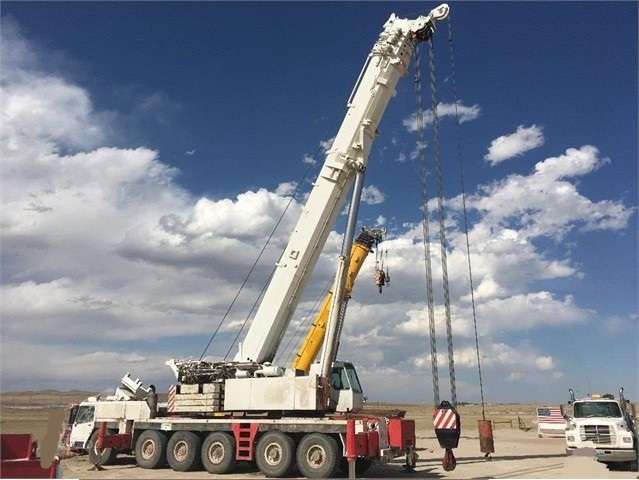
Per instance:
x=518, y=452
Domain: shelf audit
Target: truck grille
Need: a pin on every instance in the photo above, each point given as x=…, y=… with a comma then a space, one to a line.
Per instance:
x=598, y=434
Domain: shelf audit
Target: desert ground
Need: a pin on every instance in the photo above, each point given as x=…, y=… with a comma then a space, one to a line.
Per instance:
x=518, y=450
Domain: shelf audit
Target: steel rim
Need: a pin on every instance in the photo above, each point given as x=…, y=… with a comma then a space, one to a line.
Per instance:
x=273, y=454
x=148, y=449
x=216, y=453
x=180, y=451
x=315, y=456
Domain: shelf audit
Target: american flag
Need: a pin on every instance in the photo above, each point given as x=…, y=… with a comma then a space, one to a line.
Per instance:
x=549, y=415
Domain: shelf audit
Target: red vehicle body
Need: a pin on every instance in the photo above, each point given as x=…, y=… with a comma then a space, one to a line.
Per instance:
x=19, y=459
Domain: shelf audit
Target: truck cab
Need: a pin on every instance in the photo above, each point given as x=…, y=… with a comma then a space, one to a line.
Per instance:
x=79, y=426
x=605, y=424
x=346, y=392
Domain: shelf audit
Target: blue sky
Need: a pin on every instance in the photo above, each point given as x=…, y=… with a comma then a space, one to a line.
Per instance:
x=149, y=148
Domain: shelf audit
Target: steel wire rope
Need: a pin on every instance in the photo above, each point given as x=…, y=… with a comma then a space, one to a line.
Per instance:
x=421, y=144
x=250, y=272
x=463, y=192
x=442, y=229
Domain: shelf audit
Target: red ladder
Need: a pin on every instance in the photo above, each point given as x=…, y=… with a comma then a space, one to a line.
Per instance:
x=244, y=436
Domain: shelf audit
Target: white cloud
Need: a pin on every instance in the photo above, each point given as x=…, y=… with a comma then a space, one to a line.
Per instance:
x=286, y=189
x=545, y=203
x=460, y=111
x=327, y=144
x=514, y=144
x=371, y=195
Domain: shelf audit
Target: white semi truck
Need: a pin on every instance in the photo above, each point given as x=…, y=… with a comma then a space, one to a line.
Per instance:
x=249, y=409
x=606, y=424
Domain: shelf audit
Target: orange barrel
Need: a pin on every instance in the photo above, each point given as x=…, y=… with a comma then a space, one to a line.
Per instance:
x=486, y=443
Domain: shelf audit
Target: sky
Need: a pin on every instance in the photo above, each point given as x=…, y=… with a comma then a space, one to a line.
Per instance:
x=149, y=150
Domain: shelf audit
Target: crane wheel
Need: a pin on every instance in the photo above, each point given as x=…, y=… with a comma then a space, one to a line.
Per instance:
x=275, y=454
x=318, y=456
x=218, y=453
x=183, y=451
x=150, y=449
x=106, y=457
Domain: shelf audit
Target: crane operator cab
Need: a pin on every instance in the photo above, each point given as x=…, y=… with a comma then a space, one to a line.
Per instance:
x=346, y=391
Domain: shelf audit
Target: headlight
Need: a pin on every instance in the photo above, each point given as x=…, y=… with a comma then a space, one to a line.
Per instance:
x=570, y=438
x=626, y=440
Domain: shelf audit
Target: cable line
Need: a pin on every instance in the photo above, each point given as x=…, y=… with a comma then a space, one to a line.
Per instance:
x=463, y=191
x=421, y=144
x=442, y=229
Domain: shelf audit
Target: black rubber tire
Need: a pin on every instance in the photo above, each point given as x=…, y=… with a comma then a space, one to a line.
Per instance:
x=361, y=465
x=106, y=457
x=150, y=449
x=218, y=453
x=318, y=456
x=183, y=451
x=275, y=454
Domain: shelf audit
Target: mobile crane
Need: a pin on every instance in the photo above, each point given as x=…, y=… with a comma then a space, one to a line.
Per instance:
x=248, y=409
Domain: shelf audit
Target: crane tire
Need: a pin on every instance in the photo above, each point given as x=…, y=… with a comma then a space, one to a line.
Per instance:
x=275, y=454
x=106, y=457
x=218, y=453
x=183, y=451
x=150, y=449
x=318, y=456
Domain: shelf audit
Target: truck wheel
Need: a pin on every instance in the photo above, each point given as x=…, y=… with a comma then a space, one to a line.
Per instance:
x=275, y=453
x=150, y=449
x=106, y=457
x=183, y=451
x=218, y=453
x=318, y=456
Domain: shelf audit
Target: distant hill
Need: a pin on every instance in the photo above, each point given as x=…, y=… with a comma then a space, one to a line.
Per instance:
x=43, y=397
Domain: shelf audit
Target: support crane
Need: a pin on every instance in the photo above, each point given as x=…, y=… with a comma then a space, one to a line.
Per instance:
x=248, y=409
x=313, y=341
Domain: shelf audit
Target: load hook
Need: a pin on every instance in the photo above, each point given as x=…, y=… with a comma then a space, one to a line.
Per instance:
x=449, y=461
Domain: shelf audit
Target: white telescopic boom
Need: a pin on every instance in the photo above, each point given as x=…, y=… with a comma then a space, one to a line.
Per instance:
x=386, y=64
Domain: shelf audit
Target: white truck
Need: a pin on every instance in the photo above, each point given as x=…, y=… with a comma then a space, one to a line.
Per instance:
x=605, y=424
x=249, y=409
x=130, y=402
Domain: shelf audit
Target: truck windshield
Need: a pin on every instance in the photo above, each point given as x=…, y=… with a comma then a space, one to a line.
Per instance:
x=596, y=409
x=345, y=378
x=352, y=378
x=85, y=414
